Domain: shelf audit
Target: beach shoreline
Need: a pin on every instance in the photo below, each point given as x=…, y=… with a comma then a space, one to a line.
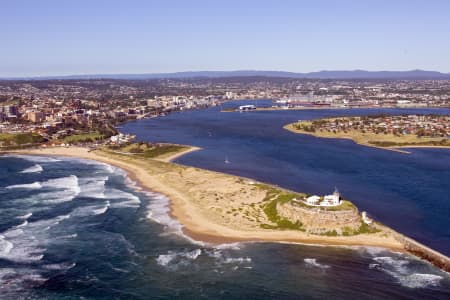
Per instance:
x=194, y=225
x=197, y=226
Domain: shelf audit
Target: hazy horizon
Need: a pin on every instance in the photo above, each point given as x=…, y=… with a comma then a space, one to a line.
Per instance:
x=55, y=38
x=206, y=71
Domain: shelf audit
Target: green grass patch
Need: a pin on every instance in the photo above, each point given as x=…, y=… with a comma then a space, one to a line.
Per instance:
x=443, y=142
x=20, y=139
x=149, y=150
x=364, y=228
x=275, y=197
x=161, y=150
x=83, y=138
x=330, y=233
x=346, y=205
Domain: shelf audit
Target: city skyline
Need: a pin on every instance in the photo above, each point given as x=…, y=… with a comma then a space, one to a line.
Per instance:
x=51, y=38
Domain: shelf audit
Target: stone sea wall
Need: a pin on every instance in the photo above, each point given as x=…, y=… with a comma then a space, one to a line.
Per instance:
x=317, y=220
x=438, y=259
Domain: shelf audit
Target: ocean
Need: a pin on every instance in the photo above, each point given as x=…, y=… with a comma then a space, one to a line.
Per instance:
x=77, y=229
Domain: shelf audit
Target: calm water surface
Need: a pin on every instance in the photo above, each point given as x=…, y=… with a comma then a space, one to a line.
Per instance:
x=407, y=192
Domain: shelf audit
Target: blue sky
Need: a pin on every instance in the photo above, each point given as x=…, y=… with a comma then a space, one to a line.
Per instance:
x=106, y=36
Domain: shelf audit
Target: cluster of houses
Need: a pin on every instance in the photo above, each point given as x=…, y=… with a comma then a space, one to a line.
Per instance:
x=420, y=125
x=55, y=119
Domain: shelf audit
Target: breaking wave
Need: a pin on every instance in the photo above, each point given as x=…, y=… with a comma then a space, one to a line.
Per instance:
x=34, y=169
x=31, y=186
x=130, y=200
x=178, y=257
x=28, y=243
x=25, y=216
x=312, y=262
x=221, y=257
x=231, y=260
x=62, y=266
x=5, y=246
x=158, y=211
x=174, y=260
x=36, y=159
x=91, y=210
x=93, y=187
x=404, y=273
x=67, y=189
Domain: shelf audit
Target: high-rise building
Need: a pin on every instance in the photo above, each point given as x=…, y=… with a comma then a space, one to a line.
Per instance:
x=36, y=116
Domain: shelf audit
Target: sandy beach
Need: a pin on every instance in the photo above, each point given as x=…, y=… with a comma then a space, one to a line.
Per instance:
x=202, y=201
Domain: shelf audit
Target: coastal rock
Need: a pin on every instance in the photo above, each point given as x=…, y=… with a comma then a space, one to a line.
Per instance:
x=316, y=220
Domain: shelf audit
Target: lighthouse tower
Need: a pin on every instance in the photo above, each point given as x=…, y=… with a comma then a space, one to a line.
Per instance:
x=336, y=193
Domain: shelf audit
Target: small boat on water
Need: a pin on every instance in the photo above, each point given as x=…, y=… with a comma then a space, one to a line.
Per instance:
x=226, y=160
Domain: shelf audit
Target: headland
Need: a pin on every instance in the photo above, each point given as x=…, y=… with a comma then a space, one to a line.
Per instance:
x=220, y=208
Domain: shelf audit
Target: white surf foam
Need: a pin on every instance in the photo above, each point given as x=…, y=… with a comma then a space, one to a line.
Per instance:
x=101, y=166
x=62, y=266
x=69, y=182
x=93, y=187
x=165, y=259
x=34, y=169
x=222, y=257
x=13, y=232
x=373, y=251
x=25, y=217
x=418, y=280
x=232, y=246
x=65, y=189
x=37, y=159
x=28, y=243
x=68, y=236
x=25, y=223
x=158, y=211
x=109, y=168
x=178, y=257
x=312, y=262
x=401, y=270
x=193, y=254
x=102, y=210
x=128, y=199
x=128, y=181
x=56, y=190
x=31, y=186
x=239, y=260
x=91, y=210
x=399, y=265
x=5, y=246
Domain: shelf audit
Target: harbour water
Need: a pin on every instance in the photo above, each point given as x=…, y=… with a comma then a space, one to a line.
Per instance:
x=408, y=192
x=76, y=229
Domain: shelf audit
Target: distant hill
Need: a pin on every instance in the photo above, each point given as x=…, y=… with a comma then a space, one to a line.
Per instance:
x=355, y=74
x=362, y=74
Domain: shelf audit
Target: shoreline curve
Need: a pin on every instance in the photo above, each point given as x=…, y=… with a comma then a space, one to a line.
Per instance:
x=197, y=227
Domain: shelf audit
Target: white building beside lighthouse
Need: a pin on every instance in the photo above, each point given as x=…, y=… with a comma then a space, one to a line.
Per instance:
x=327, y=201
